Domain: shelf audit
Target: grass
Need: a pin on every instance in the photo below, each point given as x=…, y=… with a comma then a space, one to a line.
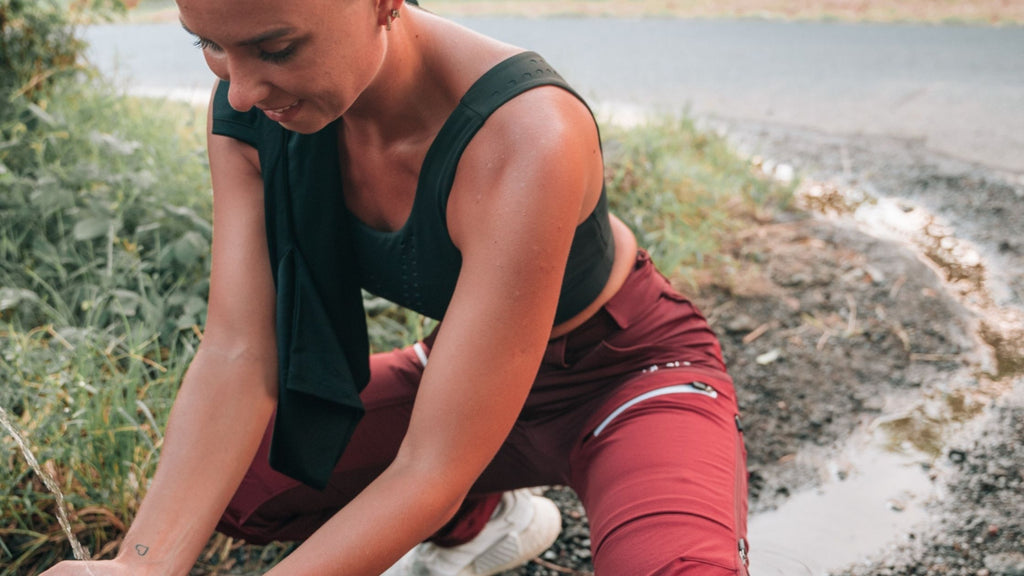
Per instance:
x=104, y=234
x=999, y=12
x=684, y=192
x=104, y=227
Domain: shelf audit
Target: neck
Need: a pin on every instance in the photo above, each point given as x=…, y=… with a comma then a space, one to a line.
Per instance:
x=401, y=102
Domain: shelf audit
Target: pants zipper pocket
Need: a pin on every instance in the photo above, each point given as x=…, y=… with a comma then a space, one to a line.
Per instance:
x=689, y=388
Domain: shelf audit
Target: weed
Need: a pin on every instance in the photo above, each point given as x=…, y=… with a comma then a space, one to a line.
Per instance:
x=684, y=192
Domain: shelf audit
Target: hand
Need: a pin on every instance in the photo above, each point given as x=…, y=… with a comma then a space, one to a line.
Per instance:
x=91, y=568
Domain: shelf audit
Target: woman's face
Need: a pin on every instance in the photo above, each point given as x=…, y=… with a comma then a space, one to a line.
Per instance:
x=303, y=62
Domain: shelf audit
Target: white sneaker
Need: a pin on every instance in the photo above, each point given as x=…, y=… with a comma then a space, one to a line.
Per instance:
x=522, y=526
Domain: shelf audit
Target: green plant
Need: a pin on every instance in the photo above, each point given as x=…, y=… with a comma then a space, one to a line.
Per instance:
x=40, y=48
x=107, y=216
x=104, y=241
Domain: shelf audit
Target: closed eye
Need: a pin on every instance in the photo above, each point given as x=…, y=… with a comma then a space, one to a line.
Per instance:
x=204, y=44
x=279, y=56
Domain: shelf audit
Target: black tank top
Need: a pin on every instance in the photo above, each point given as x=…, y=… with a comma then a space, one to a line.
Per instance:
x=417, y=266
x=322, y=348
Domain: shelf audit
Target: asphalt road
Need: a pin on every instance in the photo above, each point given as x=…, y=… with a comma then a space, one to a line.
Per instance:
x=957, y=90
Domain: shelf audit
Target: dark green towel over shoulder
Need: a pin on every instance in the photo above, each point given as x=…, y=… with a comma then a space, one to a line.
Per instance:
x=323, y=353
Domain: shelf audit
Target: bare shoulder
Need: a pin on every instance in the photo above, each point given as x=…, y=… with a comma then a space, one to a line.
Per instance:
x=540, y=149
x=539, y=122
x=459, y=57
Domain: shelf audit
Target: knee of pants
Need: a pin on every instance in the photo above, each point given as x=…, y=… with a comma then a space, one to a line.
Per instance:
x=669, y=544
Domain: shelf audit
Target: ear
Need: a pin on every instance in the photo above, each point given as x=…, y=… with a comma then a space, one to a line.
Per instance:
x=388, y=11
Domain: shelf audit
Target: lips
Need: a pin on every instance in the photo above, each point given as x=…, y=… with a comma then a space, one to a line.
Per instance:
x=284, y=113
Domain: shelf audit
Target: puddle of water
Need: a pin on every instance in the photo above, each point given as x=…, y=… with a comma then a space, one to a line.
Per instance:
x=928, y=424
x=876, y=489
x=871, y=496
x=62, y=516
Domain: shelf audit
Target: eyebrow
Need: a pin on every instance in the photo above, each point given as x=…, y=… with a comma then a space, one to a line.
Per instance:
x=267, y=36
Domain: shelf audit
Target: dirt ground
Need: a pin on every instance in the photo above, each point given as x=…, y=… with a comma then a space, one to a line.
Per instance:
x=821, y=323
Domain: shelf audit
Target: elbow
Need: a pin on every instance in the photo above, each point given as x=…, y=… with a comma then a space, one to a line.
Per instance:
x=440, y=488
x=249, y=368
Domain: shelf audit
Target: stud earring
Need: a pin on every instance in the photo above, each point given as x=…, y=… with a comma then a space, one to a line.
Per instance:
x=393, y=15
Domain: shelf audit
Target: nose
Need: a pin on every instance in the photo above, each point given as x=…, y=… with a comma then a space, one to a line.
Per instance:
x=247, y=88
x=245, y=91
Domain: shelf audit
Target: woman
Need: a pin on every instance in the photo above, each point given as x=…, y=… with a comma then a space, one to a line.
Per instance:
x=368, y=143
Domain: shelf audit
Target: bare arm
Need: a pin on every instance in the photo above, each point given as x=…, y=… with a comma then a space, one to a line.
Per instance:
x=228, y=393
x=522, y=185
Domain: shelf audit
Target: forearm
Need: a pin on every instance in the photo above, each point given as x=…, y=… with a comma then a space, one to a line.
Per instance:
x=398, y=510
x=214, y=430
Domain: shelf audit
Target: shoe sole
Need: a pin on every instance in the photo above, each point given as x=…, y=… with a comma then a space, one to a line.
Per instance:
x=545, y=526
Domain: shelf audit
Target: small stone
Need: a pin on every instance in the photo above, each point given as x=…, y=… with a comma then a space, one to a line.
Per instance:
x=957, y=456
x=741, y=323
x=769, y=357
x=993, y=530
x=982, y=572
x=874, y=274
x=798, y=279
x=1006, y=564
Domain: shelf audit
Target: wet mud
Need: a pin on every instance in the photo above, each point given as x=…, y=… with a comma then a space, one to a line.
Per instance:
x=877, y=342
